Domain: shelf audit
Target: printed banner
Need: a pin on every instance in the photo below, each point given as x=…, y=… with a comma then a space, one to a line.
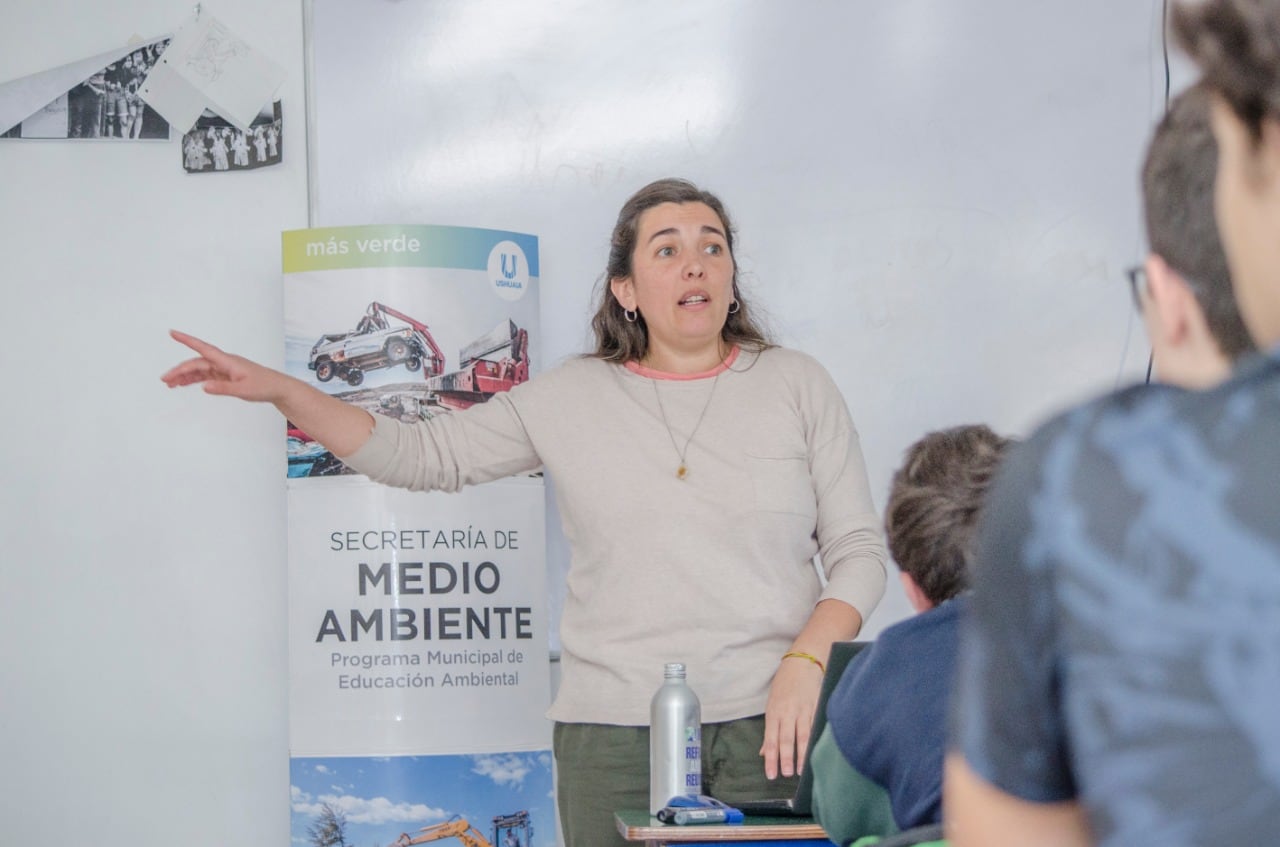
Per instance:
x=419, y=673
x=417, y=621
x=406, y=321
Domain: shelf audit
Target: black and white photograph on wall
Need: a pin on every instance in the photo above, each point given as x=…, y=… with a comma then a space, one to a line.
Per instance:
x=214, y=144
x=105, y=105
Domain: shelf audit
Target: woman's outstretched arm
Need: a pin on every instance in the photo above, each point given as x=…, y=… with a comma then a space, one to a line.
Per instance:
x=341, y=427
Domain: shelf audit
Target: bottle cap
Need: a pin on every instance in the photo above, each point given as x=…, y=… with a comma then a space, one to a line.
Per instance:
x=673, y=670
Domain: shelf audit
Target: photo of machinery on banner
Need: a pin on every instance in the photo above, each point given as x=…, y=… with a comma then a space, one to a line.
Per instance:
x=418, y=642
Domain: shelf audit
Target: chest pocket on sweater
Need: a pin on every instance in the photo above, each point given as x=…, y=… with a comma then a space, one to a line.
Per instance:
x=782, y=484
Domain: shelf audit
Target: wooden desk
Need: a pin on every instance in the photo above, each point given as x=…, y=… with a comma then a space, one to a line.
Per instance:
x=642, y=827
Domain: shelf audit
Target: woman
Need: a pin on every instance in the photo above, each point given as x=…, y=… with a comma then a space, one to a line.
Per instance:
x=698, y=468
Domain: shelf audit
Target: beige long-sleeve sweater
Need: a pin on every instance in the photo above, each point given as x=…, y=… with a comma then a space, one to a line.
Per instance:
x=713, y=570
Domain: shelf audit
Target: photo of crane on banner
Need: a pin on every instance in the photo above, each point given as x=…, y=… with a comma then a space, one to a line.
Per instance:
x=406, y=321
x=486, y=800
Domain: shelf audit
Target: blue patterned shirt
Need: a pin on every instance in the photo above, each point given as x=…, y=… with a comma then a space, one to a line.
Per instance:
x=1124, y=643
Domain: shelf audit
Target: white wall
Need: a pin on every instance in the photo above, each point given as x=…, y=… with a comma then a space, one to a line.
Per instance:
x=143, y=669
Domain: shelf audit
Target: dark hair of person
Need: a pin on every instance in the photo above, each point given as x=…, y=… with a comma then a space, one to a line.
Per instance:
x=934, y=504
x=620, y=340
x=1236, y=43
x=1177, y=195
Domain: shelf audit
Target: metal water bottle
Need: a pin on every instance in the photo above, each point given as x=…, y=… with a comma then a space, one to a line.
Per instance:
x=675, y=739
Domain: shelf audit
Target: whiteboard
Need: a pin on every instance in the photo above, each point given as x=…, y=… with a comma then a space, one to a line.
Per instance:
x=936, y=199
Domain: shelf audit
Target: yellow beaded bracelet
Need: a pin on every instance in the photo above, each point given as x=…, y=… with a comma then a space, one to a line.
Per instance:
x=796, y=654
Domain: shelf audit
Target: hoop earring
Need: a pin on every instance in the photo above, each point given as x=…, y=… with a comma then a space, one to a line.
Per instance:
x=735, y=307
x=629, y=316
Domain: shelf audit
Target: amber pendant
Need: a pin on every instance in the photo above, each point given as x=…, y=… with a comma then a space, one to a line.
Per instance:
x=682, y=472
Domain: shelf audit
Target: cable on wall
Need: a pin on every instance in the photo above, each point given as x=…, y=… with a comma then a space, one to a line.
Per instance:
x=1164, y=52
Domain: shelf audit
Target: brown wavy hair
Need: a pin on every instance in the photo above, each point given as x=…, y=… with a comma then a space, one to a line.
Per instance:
x=620, y=340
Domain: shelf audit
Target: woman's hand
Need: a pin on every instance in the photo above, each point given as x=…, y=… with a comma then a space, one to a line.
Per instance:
x=341, y=427
x=788, y=716
x=793, y=694
x=224, y=373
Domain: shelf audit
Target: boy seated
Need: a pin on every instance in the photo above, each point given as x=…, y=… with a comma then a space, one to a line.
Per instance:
x=878, y=765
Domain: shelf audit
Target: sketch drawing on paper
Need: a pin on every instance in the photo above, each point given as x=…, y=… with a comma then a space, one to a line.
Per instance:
x=218, y=48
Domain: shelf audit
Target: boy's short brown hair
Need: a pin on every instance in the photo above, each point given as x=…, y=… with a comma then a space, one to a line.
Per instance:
x=934, y=504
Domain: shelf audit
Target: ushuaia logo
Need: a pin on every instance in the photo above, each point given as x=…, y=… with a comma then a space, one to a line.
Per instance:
x=515, y=263
x=508, y=270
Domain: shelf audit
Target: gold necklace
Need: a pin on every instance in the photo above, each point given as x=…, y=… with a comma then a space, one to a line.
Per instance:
x=683, y=470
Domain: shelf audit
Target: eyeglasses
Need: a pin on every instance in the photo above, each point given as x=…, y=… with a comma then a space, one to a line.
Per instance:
x=1137, y=284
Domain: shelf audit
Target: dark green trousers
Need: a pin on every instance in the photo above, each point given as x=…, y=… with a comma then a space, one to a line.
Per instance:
x=601, y=769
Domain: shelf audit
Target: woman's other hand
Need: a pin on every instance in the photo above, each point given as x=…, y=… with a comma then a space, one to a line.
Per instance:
x=788, y=716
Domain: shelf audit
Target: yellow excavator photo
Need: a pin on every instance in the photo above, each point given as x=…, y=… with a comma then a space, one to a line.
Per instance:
x=513, y=830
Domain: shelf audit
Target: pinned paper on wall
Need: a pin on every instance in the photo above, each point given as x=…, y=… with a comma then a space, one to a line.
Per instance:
x=95, y=97
x=214, y=146
x=207, y=66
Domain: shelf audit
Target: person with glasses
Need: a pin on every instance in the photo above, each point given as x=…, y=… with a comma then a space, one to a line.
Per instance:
x=1183, y=289
x=1120, y=667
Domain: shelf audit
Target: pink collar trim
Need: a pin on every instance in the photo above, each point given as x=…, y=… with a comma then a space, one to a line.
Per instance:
x=641, y=370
